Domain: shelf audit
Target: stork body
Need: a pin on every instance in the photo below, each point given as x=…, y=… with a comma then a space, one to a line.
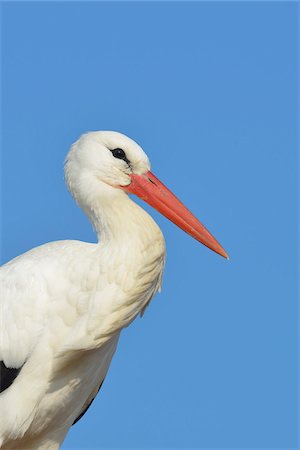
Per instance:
x=64, y=304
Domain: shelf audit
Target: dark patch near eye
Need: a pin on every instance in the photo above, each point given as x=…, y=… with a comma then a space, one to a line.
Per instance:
x=120, y=154
x=7, y=376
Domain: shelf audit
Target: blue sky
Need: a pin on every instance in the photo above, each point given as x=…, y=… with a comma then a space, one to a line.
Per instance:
x=210, y=92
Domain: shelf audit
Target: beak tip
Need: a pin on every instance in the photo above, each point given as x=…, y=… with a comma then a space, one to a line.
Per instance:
x=223, y=254
x=226, y=256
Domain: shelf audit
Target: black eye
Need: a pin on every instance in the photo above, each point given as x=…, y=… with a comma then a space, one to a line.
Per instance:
x=119, y=153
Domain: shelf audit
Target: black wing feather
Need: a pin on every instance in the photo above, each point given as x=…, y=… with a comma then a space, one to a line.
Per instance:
x=7, y=376
x=85, y=409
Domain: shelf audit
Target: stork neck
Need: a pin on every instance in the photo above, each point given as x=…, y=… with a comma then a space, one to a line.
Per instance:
x=132, y=251
x=119, y=219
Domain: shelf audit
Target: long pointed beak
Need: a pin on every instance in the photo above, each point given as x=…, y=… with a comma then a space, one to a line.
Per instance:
x=156, y=194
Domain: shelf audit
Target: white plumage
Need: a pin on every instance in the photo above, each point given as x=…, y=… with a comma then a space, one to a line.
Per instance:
x=64, y=304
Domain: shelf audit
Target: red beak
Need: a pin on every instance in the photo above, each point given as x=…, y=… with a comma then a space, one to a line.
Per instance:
x=156, y=194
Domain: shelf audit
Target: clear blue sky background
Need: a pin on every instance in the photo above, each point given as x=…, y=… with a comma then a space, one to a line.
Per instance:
x=209, y=91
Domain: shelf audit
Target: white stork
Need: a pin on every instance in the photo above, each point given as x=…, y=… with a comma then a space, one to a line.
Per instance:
x=64, y=304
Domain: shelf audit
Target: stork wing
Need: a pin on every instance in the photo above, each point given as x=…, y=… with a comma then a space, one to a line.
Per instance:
x=35, y=291
x=22, y=315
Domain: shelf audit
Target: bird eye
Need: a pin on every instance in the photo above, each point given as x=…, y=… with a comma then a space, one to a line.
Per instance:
x=119, y=153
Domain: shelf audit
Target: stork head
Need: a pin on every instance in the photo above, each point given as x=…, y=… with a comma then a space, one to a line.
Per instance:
x=106, y=164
